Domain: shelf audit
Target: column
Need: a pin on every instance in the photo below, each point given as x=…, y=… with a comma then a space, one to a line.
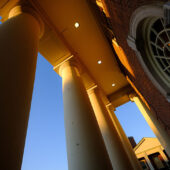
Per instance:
x=148, y=161
x=85, y=147
x=164, y=156
x=115, y=149
x=129, y=150
x=19, y=37
x=154, y=124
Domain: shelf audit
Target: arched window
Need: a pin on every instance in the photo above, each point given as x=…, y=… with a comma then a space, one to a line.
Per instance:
x=150, y=37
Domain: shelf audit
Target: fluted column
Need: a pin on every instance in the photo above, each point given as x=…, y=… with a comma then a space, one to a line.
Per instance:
x=85, y=147
x=116, y=151
x=154, y=124
x=19, y=37
x=129, y=150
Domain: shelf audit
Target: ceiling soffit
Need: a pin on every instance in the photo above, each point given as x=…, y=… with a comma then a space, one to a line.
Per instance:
x=87, y=42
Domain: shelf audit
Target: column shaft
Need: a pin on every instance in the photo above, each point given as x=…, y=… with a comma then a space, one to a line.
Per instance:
x=85, y=147
x=117, y=154
x=148, y=162
x=154, y=124
x=19, y=38
x=129, y=150
x=163, y=155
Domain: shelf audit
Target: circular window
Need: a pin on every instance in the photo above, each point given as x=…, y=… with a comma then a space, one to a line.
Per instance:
x=154, y=44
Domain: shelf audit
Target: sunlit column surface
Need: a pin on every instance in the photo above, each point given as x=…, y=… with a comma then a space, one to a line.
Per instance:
x=154, y=124
x=19, y=37
x=129, y=150
x=163, y=155
x=148, y=161
x=116, y=151
x=85, y=147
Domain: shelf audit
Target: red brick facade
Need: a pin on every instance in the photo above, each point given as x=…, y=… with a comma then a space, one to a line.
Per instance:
x=120, y=13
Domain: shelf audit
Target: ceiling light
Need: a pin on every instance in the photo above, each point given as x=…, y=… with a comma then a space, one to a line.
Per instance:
x=76, y=25
x=113, y=85
x=99, y=62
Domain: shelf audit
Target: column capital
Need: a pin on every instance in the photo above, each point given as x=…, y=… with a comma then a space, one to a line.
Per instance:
x=68, y=62
x=132, y=95
x=21, y=8
x=91, y=89
x=110, y=107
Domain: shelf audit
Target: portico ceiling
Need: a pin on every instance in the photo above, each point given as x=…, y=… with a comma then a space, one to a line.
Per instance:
x=87, y=42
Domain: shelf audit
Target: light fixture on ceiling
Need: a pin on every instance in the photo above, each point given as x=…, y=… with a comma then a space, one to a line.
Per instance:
x=113, y=84
x=76, y=25
x=99, y=62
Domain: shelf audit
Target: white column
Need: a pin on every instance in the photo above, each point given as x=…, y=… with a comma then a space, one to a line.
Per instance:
x=85, y=146
x=117, y=154
x=163, y=154
x=164, y=157
x=129, y=150
x=19, y=38
x=154, y=124
x=149, y=162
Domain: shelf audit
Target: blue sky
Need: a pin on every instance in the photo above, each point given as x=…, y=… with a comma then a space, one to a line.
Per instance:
x=45, y=147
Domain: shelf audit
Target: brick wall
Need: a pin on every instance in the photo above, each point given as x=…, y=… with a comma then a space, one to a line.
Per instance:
x=120, y=13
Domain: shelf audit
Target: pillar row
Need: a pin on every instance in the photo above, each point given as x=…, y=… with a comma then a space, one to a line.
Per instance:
x=115, y=149
x=19, y=38
x=85, y=146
